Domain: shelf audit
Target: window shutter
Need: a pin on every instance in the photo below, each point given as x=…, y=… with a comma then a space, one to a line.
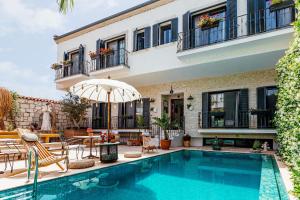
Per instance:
x=147, y=35
x=205, y=111
x=81, y=59
x=96, y=117
x=130, y=114
x=231, y=19
x=146, y=112
x=135, y=40
x=66, y=56
x=230, y=109
x=244, y=108
x=174, y=26
x=121, y=115
x=155, y=35
x=186, y=30
x=261, y=105
x=98, y=55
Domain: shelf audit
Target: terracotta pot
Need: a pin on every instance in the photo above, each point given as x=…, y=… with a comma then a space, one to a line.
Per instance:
x=165, y=144
x=187, y=143
x=68, y=133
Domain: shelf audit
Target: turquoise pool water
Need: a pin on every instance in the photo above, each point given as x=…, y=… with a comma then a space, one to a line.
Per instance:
x=183, y=175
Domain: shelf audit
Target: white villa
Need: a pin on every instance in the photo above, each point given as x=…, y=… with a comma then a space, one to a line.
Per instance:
x=209, y=64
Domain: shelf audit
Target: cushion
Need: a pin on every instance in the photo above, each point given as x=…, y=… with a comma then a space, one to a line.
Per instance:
x=132, y=154
x=30, y=137
x=81, y=164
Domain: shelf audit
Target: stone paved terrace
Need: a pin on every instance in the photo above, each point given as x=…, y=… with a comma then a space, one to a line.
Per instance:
x=53, y=171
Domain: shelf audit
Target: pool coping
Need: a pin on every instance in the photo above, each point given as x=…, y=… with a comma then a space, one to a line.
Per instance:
x=283, y=169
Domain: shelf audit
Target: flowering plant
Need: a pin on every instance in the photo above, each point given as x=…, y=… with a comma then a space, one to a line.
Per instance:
x=105, y=51
x=92, y=55
x=273, y=2
x=67, y=62
x=208, y=21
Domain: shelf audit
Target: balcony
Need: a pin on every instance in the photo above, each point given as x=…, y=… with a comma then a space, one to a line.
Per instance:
x=70, y=73
x=243, y=26
x=115, y=63
x=248, y=46
x=239, y=122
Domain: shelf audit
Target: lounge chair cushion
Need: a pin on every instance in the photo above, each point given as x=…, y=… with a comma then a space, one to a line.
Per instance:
x=30, y=137
x=81, y=164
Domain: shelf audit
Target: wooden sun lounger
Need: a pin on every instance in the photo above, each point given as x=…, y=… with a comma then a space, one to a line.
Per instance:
x=46, y=158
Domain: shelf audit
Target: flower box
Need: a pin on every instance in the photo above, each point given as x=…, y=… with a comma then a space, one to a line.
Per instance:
x=207, y=22
x=56, y=66
x=93, y=55
x=280, y=4
x=67, y=63
x=106, y=51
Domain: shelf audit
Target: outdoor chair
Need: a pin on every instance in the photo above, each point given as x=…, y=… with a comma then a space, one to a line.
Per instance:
x=45, y=157
x=10, y=151
x=148, y=144
x=72, y=144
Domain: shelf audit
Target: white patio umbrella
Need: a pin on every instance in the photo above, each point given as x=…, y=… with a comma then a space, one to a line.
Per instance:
x=106, y=90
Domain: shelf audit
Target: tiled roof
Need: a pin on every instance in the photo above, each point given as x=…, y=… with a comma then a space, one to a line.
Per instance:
x=39, y=99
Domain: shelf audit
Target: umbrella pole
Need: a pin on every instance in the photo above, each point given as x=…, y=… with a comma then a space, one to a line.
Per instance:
x=108, y=117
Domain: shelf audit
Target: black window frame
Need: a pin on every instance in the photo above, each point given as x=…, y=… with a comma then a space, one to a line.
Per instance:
x=162, y=28
x=140, y=45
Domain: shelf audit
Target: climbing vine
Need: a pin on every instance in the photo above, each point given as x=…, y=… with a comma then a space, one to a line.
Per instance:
x=288, y=106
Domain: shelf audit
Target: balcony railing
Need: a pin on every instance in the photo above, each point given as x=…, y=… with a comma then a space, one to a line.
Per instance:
x=237, y=27
x=70, y=70
x=113, y=59
x=237, y=119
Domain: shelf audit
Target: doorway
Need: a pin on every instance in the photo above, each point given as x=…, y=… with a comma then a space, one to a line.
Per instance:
x=177, y=111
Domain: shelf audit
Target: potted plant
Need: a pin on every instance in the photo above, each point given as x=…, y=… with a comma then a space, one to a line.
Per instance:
x=164, y=123
x=207, y=22
x=76, y=109
x=55, y=66
x=280, y=4
x=187, y=140
x=67, y=63
x=256, y=148
x=216, y=144
x=106, y=51
x=92, y=55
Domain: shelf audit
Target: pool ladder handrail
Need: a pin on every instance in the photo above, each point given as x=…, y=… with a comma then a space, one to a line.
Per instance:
x=36, y=161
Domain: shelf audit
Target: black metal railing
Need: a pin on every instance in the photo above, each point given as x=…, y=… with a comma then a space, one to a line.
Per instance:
x=236, y=119
x=71, y=69
x=237, y=27
x=112, y=59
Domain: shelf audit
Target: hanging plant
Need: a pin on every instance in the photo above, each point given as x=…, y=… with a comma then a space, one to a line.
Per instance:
x=207, y=22
x=67, y=62
x=280, y=4
x=55, y=66
x=106, y=51
x=92, y=55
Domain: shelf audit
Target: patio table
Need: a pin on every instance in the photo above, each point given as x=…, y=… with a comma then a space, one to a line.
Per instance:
x=91, y=138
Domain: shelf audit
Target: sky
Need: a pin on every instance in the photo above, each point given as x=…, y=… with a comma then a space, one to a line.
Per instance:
x=27, y=49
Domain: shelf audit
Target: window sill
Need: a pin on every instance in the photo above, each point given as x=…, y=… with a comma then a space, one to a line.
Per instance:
x=166, y=45
x=141, y=51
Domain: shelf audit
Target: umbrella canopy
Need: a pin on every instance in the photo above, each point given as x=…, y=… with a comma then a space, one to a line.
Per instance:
x=100, y=89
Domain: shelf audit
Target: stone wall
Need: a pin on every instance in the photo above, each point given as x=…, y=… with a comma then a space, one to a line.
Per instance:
x=250, y=80
x=31, y=111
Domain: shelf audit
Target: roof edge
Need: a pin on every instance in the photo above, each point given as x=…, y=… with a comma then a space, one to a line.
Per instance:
x=58, y=38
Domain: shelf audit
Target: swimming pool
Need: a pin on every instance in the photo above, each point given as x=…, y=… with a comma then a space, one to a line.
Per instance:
x=184, y=175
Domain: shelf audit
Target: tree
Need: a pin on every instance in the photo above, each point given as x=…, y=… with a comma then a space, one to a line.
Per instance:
x=164, y=123
x=65, y=5
x=6, y=101
x=287, y=118
x=75, y=108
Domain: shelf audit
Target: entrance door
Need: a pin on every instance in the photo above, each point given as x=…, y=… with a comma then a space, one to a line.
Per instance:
x=177, y=111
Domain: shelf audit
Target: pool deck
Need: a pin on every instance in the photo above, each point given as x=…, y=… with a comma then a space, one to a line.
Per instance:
x=51, y=172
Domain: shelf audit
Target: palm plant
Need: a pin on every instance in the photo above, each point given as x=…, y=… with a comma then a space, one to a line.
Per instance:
x=65, y=5
x=164, y=122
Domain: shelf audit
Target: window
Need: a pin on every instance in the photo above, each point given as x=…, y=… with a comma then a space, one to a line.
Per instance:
x=140, y=40
x=165, y=34
x=217, y=102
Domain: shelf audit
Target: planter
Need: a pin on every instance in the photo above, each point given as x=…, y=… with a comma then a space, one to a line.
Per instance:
x=187, y=143
x=165, y=144
x=68, y=133
x=259, y=112
x=210, y=25
x=281, y=5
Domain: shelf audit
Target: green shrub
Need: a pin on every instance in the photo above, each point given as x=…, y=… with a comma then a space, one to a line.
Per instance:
x=288, y=106
x=256, y=145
